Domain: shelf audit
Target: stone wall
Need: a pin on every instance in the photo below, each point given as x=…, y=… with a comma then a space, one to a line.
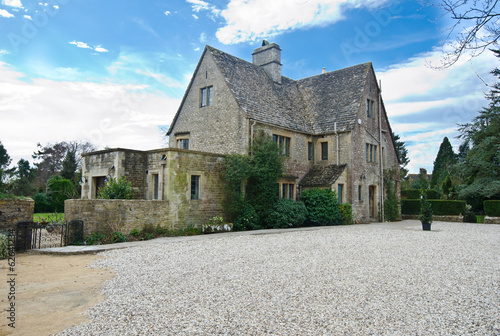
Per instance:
x=105, y=216
x=15, y=210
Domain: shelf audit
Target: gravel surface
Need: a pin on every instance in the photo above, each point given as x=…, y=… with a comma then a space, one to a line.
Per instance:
x=378, y=279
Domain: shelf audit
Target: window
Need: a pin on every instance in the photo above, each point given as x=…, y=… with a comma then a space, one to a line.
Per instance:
x=310, y=151
x=287, y=190
x=283, y=143
x=155, y=186
x=183, y=143
x=206, y=96
x=359, y=193
x=369, y=108
x=324, y=151
x=371, y=153
x=340, y=190
x=195, y=187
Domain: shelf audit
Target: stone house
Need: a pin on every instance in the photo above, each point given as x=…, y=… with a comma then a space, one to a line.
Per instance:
x=332, y=127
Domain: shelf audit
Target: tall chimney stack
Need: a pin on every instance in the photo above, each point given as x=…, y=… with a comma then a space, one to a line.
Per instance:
x=269, y=57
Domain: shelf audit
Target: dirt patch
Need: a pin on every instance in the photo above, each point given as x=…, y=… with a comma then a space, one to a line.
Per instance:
x=52, y=293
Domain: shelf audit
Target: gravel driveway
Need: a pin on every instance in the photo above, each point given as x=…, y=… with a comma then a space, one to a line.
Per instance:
x=377, y=279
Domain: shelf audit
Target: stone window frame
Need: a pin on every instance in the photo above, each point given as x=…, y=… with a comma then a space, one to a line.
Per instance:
x=183, y=143
x=286, y=141
x=310, y=151
x=206, y=96
x=371, y=153
x=199, y=195
x=324, y=151
x=151, y=186
x=369, y=107
x=340, y=192
x=290, y=190
x=360, y=193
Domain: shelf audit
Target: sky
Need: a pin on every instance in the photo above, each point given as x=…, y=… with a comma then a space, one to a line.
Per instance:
x=113, y=73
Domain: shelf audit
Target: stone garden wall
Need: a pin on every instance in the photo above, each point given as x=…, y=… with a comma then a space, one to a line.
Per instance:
x=15, y=210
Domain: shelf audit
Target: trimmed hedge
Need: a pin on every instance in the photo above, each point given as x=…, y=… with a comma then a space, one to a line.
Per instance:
x=492, y=208
x=413, y=194
x=439, y=207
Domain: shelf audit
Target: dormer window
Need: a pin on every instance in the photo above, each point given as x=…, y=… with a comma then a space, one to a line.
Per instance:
x=206, y=95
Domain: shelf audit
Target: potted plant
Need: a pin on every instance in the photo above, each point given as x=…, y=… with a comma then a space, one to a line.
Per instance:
x=425, y=212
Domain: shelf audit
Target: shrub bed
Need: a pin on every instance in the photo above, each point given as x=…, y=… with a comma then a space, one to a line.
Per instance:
x=439, y=207
x=492, y=208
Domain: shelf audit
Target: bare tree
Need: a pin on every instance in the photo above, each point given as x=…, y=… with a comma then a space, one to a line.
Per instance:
x=475, y=28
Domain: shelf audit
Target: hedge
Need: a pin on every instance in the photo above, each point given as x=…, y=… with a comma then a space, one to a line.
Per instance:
x=492, y=208
x=413, y=194
x=439, y=207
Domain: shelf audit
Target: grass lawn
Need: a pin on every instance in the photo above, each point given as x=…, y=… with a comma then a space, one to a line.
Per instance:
x=49, y=217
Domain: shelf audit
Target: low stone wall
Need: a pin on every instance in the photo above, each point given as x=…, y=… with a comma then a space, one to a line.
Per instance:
x=15, y=210
x=105, y=216
x=491, y=220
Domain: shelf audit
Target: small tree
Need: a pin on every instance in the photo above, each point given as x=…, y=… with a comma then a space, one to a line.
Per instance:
x=425, y=209
x=117, y=189
x=59, y=189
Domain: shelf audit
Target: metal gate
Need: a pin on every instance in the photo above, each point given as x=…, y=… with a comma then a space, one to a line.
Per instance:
x=31, y=235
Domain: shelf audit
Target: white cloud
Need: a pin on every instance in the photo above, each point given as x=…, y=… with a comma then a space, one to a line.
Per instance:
x=13, y=3
x=6, y=14
x=56, y=6
x=255, y=19
x=195, y=16
x=80, y=44
x=199, y=5
x=108, y=114
x=28, y=17
x=167, y=13
x=100, y=49
x=426, y=104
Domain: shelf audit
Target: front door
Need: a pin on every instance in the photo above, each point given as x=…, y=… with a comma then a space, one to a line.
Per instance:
x=371, y=198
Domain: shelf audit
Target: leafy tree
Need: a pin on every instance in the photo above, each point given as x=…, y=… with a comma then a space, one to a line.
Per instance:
x=117, y=189
x=322, y=207
x=445, y=159
x=23, y=179
x=5, y=161
x=422, y=182
x=481, y=166
x=251, y=182
x=402, y=155
x=474, y=27
x=69, y=166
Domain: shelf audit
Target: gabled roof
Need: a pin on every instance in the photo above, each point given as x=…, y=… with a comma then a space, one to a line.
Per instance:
x=310, y=105
x=321, y=176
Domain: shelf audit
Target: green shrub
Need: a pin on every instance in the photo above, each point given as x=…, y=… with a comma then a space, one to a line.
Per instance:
x=148, y=235
x=117, y=189
x=42, y=203
x=118, y=237
x=440, y=207
x=414, y=194
x=492, y=208
x=286, y=213
x=135, y=233
x=59, y=190
x=160, y=230
x=425, y=210
x=346, y=213
x=4, y=246
x=95, y=238
x=322, y=207
x=469, y=215
x=247, y=220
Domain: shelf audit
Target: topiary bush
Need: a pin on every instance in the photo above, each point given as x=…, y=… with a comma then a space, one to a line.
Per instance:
x=286, y=213
x=346, y=213
x=322, y=207
x=492, y=208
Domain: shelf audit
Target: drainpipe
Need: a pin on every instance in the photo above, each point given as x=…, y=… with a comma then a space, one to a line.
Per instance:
x=338, y=147
x=380, y=151
x=253, y=122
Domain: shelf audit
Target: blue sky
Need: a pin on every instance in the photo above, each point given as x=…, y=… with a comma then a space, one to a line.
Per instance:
x=111, y=72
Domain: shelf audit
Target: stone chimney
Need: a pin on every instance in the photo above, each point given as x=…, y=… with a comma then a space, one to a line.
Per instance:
x=269, y=57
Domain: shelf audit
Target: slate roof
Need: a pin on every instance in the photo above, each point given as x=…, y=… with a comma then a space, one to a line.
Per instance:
x=311, y=105
x=320, y=176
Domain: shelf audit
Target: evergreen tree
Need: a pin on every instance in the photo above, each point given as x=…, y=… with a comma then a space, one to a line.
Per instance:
x=402, y=155
x=69, y=166
x=24, y=176
x=445, y=159
x=482, y=161
x=4, y=164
